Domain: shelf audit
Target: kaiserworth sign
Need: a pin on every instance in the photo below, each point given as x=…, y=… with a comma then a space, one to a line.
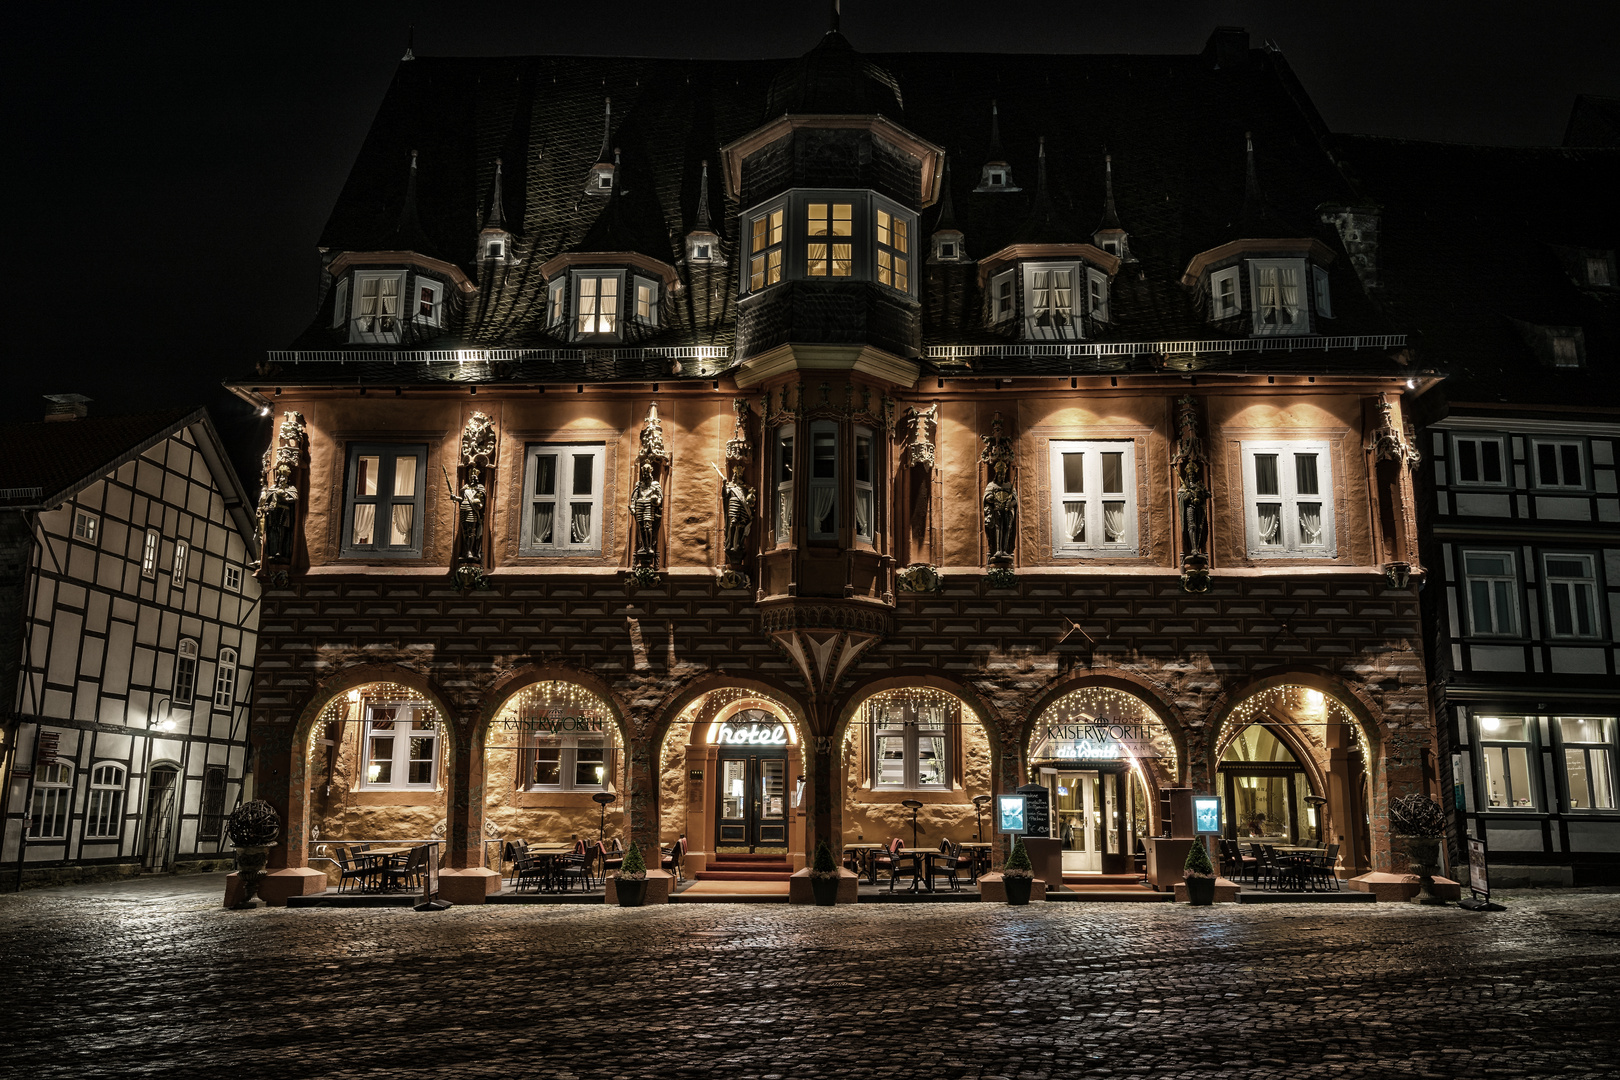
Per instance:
x=1099, y=739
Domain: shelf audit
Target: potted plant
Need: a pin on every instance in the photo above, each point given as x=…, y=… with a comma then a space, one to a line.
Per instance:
x=1419, y=821
x=253, y=827
x=1199, y=875
x=824, y=876
x=1018, y=876
x=630, y=881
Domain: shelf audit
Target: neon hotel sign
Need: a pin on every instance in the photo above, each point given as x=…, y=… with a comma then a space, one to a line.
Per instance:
x=753, y=734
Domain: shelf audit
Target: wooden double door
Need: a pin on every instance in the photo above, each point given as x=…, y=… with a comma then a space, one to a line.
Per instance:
x=752, y=802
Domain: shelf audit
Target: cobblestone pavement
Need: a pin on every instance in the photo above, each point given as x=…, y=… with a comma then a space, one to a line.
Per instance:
x=152, y=978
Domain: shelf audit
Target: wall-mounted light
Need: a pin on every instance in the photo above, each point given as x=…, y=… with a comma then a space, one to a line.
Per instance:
x=1411, y=384
x=264, y=410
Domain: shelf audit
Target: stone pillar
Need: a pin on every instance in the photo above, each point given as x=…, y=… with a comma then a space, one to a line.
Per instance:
x=464, y=801
x=1344, y=798
x=272, y=781
x=822, y=789
x=642, y=782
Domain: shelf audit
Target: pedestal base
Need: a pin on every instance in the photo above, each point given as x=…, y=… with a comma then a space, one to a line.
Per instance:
x=1399, y=888
x=1226, y=892
x=659, y=884
x=275, y=887
x=800, y=892
x=992, y=890
x=468, y=886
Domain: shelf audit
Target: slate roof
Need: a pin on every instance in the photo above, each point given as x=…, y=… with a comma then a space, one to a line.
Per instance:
x=57, y=457
x=1474, y=247
x=1175, y=126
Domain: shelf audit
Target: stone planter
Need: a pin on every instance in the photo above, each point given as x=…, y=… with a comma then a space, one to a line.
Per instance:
x=1424, y=852
x=631, y=893
x=250, y=862
x=1018, y=889
x=826, y=891
x=1200, y=891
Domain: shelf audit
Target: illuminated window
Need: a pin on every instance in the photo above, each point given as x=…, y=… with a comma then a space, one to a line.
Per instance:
x=383, y=511
x=1097, y=294
x=1278, y=286
x=149, y=554
x=1586, y=745
x=911, y=741
x=893, y=247
x=85, y=526
x=1094, y=498
x=563, y=762
x=596, y=304
x=401, y=746
x=556, y=299
x=825, y=254
x=1003, y=304
x=177, y=576
x=185, y=672
x=646, y=302
x=564, y=500
x=103, y=812
x=1289, y=499
x=1507, y=747
x=340, y=304
x=53, y=799
x=767, y=234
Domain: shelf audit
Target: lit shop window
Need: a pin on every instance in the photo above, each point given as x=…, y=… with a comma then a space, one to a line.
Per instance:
x=911, y=738
x=1587, y=745
x=569, y=762
x=401, y=746
x=1507, y=747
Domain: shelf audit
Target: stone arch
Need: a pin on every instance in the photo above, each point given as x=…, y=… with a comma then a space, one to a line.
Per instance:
x=1176, y=724
x=295, y=810
x=993, y=723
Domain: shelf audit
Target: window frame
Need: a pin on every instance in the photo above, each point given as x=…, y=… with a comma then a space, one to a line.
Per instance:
x=211, y=812
x=1321, y=291
x=387, y=328
x=101, y=821
x=911, y=733
x=387, y=453
x=1563, y=747
x=867, y=487
x=177, y=563
x=902, y=223
x=1071, y=331
x=225, y=679
x=1003, y=295
x=1289, y=498
x=1093, y=498
x=434, y=316
x=1223, y=305
x=1531, y=746
x=638, y=284
x=340, y=303
x=1511, y=580
x=830, y=244
x=232, y=578
x=783, y=475
x=1298, y=314
x=1538, y=483
x=400, y=753
x=86, y=526
x=568, y=762
x=577, y=280
x=1097, y=284
x=150, y=545
x=566, y=454
x=762, y=246
x=1593, y=583
x=54, y=790
x=557, y=302
x=183, y=687
x=832, y=484
x=1504, y=460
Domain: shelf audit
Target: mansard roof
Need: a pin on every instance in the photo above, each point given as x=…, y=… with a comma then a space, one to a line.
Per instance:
x=1473, y=245
x=1174, y=124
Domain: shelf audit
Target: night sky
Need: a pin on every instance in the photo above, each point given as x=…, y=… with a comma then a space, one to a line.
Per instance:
x=171, y=166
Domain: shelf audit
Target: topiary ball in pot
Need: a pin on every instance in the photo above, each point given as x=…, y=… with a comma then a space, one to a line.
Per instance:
x=824, y=876
x=254, y=828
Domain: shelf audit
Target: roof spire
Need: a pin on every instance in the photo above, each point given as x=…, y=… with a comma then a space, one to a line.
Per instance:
x=995, y=131
x=832, y=27
x=497, y=212
x=947, y=209
x=703, y=224
x=1110, y=215
x=410, y=40
x=607, y=127
x=1040, y=170
x=1251, y=178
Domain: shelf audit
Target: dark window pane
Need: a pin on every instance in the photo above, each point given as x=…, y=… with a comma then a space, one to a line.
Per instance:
x=1468, y=462
x=1074, y=473
x=1265, y=474
x=584, y=467
x=1572, y=464
x=1492, y=453
x=1305, y=474
x=1547, y=464
x=545, y=475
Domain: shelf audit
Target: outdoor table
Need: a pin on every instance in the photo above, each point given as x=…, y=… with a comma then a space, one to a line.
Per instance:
x=980, y=849
x=923, y=873
x=863, y=857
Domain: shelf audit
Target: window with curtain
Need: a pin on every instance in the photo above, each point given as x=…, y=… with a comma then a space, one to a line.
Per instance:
x=829, y=249
x=893, y=250
x=1288, y=499
x=1094, y=498
x=766, y=241
x=1491, y=583
x=1586, y=748
x=1478, y=460
x=185, y=672
x=1507, y=747
x=563, y=499
x=596, y=305
x=911, y=743
x=53, y=801
x=401, y=746
x=865, y=497
x=568, y=762
x=384, y=507
x=103, y=813
x=782, y=477
x=225, y=680
x=377, y=307
x=1049, y=300
x=823, y=519
x=1278, y=287
x=1570, y=580
x=646, y=302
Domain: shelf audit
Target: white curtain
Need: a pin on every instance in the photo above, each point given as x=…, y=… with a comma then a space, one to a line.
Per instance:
x=1062, y=295
x=863, y=513
x=404, y=517
x=1074, y=520
x=543, y=516
x=784, y=515
x=587, y=305
x=405, y=475
x=1268, y=293
x=1113, y=523
x=579, y=526
x=1290, y=295
x=821, y=504
x=1270, y=521
x=1310, y=524
x=365, y=522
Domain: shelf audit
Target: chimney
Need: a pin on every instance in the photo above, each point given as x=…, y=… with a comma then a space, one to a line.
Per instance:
x=66, y=406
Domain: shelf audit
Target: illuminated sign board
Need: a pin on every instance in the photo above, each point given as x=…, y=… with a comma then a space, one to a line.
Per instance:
x=1098, y=740
x=752, y=734
x=554, y=722
x=1207, y=813
x=1010, y=813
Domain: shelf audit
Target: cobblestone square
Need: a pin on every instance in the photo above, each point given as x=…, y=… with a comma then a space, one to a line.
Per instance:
x=151, y=978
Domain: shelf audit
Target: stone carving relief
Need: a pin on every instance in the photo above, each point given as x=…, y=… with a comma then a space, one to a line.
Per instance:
x=916, y=430
x=1191, y=464
x=278, y=498
x=647, y=499
x=471, y=497
x=1000, y=501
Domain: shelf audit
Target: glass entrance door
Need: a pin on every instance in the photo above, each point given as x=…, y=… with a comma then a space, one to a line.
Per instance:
x=753, y=802
x=1081, y=807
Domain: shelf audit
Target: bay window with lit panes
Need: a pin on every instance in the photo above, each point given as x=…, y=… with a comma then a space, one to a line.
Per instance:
x=834, y=492
x=830, y=236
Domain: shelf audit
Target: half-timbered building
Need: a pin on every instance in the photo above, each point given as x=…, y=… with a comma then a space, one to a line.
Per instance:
x=128, y=616
x=800, y=449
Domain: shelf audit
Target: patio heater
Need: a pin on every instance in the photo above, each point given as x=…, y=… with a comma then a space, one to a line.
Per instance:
x=602, y=798
x=1317, y=802
x=913, y=805
x=979, y=803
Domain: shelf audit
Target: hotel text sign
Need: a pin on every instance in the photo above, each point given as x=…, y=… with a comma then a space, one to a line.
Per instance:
x=553, y=722
x=1099, y=740
x=753, y=734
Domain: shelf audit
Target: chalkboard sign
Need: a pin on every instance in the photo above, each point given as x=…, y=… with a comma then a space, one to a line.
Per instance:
x=1037, y=810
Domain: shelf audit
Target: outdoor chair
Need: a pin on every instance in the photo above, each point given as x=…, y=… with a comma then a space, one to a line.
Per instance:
x=407, y=875
x=1324, y=868
x=358, y=871
x=612, y=857
x=572, y=868
x=952, y=865
x=674, y=859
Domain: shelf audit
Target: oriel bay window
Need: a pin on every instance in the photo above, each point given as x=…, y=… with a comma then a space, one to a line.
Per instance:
x=401, y=746
x=829, y=248
x=563, y=496
x=782, y=477
x=823, y=518
x=767, y=233
x=383, y=511
x=1094, y=498
x=1289, y=499
x=830, y=236
x=1507, y=750
x=893, y=246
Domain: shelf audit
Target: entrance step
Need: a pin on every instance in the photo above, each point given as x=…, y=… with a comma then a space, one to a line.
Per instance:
x=1072, y=878
x=743, y=875
x=1348, y=896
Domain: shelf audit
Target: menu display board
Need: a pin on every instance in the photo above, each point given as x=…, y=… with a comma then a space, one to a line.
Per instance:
x=1037, y=810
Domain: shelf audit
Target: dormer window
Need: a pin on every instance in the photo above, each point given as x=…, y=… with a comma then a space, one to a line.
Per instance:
x=1097, y=294
x=1277, y=287
x=496, y=249
x=702, y=251
x=646, y=301
x=1049, y=301
x=1224, y=298
x=377, y=298
x=1111, y=246
x=767, y=233
x=995, y=178
x=340, y=304
x=1319, y=287
x=1003, y=304
x=1566, y=351
x=600, y=182
x=556, y=300
x=1599, y=269
x=949, y=249
x=824, y=254
x=596, y=304
x=429, y=302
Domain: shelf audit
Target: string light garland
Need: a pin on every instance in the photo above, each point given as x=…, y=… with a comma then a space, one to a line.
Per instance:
x=337, y=710
x=1301, y=706
x=1106, y=705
